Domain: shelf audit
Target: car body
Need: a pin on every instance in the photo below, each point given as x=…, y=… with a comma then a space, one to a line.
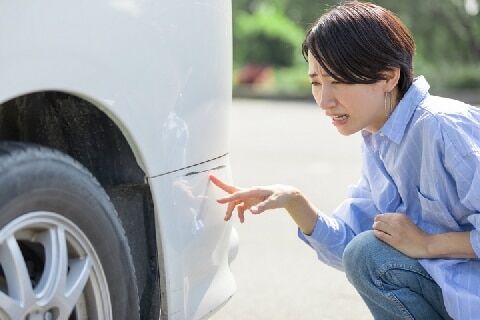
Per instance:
x=139, y=92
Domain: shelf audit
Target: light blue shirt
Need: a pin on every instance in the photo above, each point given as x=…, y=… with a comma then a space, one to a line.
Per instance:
x=424, y=162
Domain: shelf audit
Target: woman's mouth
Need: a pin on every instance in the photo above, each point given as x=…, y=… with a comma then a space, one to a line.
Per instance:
x=340, y=119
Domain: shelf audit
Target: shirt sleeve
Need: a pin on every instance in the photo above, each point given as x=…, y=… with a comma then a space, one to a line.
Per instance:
x=466, y=174
x=462, y=160
x=331, y=235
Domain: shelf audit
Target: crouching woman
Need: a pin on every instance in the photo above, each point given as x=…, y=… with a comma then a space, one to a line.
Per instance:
x=407, y=235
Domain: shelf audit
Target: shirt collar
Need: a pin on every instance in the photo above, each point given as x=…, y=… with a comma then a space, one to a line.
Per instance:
x=394, y=128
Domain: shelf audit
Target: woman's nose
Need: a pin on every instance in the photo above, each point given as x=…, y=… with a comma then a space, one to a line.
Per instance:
x=326, y=104
x=327, y=100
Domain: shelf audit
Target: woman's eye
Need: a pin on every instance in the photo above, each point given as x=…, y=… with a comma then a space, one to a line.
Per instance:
x=335, y=82
x=315, y=84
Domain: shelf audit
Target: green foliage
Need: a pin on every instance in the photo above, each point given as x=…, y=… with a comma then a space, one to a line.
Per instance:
x=270, y=21
x=443, y=29
x=450, y=76
x=266, y=36
x=447, y=36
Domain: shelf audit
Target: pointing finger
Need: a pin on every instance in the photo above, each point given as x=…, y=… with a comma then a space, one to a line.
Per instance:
x=222, y=185
x=243, y=195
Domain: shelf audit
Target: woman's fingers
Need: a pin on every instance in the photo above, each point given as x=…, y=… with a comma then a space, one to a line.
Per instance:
x=256, y=199
x=222, y=185
x=231, y=206
x=241, y=212
x=381, y=226
x=382, y=236
x=231, y=203
x=267, y=204
x=244, y=195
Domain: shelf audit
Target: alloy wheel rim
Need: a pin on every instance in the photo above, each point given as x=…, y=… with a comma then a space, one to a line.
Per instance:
x=49, y=270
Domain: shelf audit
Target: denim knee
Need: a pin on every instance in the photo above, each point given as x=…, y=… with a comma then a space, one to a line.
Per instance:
x=359, y=256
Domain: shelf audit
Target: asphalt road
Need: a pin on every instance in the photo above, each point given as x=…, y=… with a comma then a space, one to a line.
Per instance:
x=278, y=276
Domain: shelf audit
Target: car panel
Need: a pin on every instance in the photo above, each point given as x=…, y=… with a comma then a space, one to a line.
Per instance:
x=147, y=64
x=193, y=230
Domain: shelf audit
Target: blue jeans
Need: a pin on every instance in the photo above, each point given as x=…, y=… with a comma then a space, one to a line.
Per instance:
x=392, y=285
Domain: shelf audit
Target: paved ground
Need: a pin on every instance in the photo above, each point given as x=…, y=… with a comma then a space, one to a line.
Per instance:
x=278, y=276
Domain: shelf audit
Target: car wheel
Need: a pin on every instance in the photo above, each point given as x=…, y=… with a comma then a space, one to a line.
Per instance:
x=63, y=251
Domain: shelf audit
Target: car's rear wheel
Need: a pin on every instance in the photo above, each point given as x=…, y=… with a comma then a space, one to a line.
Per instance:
x=63, y=252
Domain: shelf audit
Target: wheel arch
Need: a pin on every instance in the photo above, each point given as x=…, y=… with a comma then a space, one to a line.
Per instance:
x=80, y=127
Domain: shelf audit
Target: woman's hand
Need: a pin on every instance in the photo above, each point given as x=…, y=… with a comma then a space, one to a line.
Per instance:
x=255, y=199
x=400, y=232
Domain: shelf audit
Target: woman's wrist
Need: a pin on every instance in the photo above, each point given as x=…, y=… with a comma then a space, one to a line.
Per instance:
x=302, y=212
x=428, y=247
x=295, y=200
x=449, y=245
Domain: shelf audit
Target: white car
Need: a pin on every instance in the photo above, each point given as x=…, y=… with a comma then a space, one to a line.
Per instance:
x=112, y=115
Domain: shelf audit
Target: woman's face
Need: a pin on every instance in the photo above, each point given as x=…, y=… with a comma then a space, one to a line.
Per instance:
x=352, y=107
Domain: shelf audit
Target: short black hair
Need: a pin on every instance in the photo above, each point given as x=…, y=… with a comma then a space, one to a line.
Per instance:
x=356, y=42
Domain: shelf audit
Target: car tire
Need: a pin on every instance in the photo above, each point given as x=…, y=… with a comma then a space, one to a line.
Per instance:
x=63, y=250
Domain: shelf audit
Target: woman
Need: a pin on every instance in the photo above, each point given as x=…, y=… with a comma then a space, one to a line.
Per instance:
x=408, y=235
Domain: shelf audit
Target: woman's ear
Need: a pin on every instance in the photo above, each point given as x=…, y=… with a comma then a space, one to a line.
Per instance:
x=392, y=76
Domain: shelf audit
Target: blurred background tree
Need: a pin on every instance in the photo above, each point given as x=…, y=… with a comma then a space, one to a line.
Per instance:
x=268, y=35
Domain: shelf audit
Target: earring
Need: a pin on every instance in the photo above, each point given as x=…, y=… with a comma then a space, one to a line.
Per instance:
x=388, y=106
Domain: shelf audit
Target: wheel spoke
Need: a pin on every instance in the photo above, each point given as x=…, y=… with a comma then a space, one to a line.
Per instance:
x=52, y=284
x=9, y=307
x=47, y=247
x=16, y=273
x=76, y=281
x=63, y=280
